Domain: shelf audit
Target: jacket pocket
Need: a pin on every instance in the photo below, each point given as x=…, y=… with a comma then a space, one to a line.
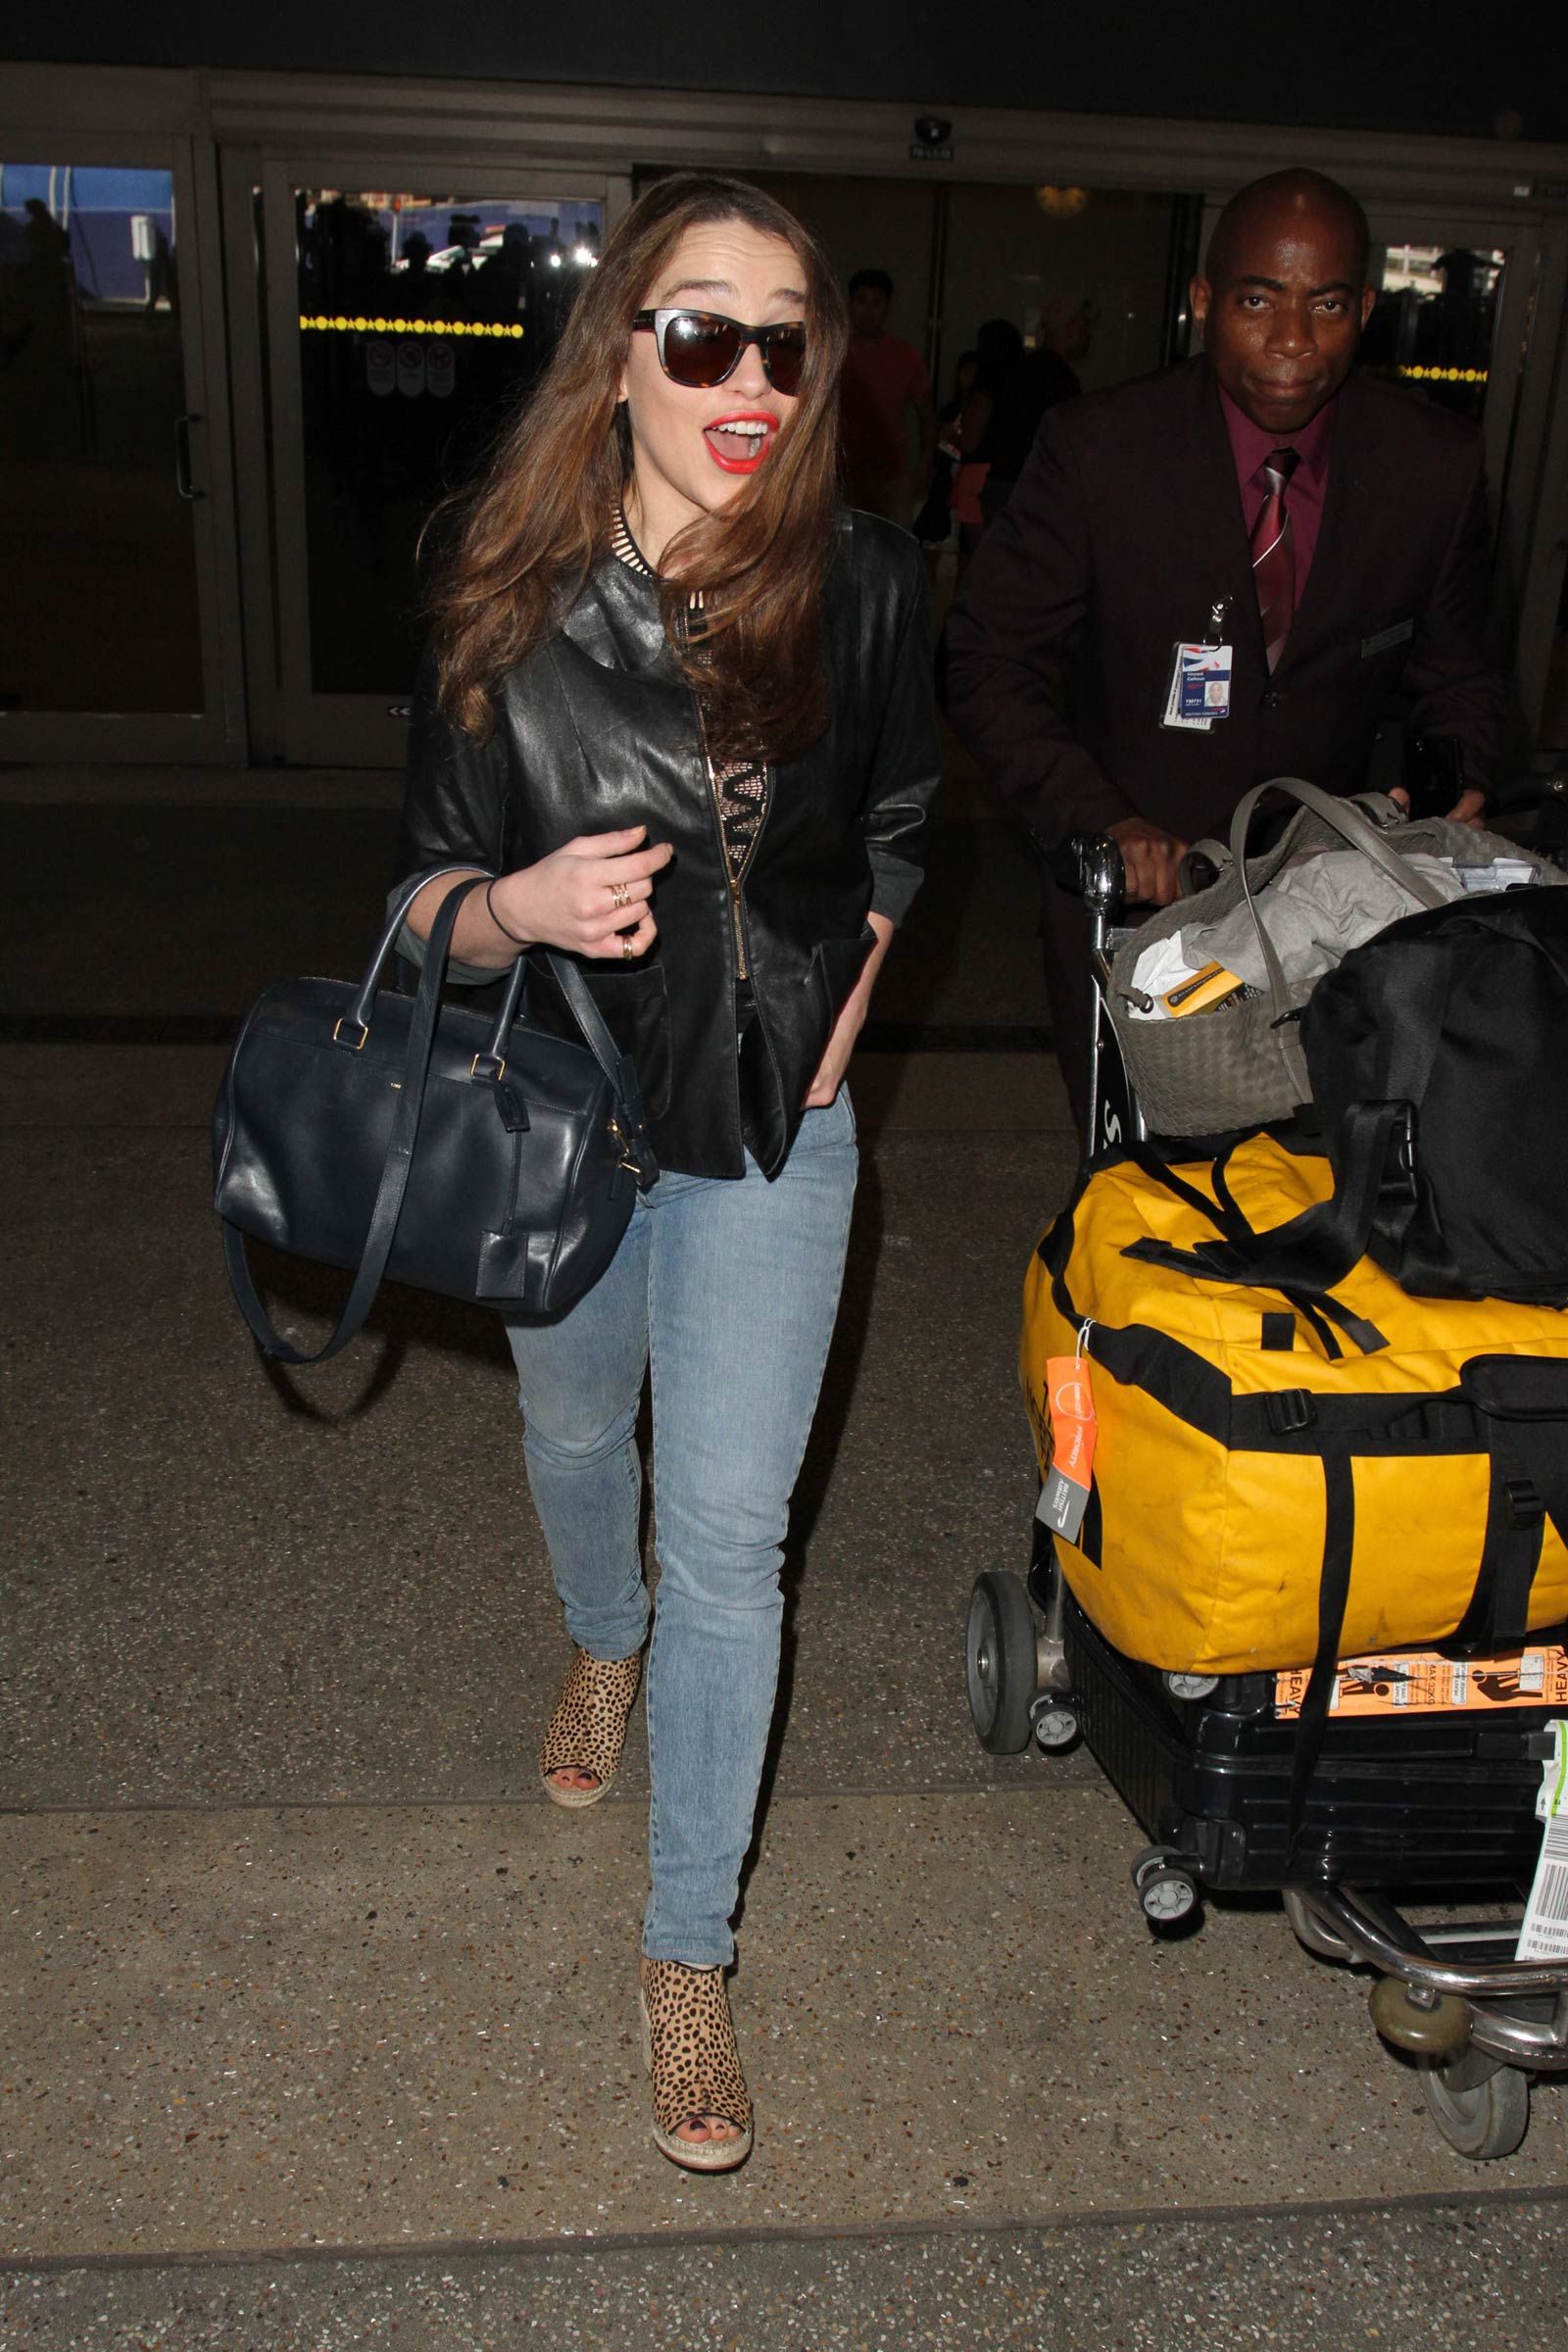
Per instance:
x=836, y=965
x=636, y=1010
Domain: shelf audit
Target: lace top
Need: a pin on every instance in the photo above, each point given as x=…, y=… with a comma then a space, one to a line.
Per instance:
x=740, y=786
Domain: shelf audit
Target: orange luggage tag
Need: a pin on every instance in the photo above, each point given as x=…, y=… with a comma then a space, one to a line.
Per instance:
x=1070, y=1402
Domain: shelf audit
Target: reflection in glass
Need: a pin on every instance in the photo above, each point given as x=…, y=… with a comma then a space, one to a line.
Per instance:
x=1433, y=325
x=424, y=320
x=99, y=610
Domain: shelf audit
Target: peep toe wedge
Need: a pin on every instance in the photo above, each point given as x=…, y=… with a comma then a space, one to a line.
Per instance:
x=588, y=1728
x=690, y=2050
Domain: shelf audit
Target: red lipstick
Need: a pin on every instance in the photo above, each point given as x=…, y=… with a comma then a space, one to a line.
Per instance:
x=738, y=443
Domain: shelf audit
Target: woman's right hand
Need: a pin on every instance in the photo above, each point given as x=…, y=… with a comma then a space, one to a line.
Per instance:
x=591, y=897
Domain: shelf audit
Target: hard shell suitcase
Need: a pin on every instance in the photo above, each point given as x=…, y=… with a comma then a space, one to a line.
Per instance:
x=1443, y=1802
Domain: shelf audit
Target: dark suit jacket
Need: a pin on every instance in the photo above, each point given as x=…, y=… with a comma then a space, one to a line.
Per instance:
x=1124, y=528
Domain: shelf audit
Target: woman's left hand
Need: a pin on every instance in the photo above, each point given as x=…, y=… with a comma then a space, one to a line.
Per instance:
x=824, y=1087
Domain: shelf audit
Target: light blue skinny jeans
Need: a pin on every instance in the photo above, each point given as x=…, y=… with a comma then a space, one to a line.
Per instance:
x=726, y=1289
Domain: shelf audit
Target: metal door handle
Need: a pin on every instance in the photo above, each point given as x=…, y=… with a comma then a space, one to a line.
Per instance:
x=182, y=479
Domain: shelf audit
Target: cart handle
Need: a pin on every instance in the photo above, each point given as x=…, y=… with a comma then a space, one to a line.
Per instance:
x=1088, y=867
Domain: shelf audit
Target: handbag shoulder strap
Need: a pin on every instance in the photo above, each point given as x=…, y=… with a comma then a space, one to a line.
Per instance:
x=395, y=1168
x=1362, y=835
x=618, y=1067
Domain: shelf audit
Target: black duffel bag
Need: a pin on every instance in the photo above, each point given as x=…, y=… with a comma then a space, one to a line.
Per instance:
x=1439, y=1059
x=475, y=1156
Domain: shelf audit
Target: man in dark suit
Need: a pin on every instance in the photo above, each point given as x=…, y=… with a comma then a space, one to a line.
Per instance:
x=1330, y=528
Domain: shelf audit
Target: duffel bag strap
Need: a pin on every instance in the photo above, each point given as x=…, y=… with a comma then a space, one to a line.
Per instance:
x=1306, y=1256
x=1521, y=1403
x=383, y=1225
x=1333, y=1599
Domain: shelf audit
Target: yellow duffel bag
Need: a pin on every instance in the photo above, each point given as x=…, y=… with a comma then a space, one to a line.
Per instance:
x=1282, y=1478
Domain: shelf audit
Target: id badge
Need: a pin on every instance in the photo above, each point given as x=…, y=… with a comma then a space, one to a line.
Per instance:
x=1206, y=683
x=1199, y=686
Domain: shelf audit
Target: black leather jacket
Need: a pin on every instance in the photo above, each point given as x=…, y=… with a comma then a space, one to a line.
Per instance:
x=596, y=729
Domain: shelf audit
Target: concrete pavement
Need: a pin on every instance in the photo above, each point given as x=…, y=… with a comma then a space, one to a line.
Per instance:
x=316, y=2020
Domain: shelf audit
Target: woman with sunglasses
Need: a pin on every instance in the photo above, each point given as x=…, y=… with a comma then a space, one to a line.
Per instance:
x=678, y=704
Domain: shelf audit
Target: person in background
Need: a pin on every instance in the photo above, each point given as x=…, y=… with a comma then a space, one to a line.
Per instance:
x=885, y=404
x=1331, y=530
x=933, y=526
x=678, y=705
x=999, y=346
x=1036, y=382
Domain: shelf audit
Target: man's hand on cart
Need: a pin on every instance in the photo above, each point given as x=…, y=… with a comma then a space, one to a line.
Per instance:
x=1470, y=809
x=1149, y=859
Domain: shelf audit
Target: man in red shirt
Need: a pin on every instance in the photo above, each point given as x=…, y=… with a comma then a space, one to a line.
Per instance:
x=1330, y=528
x=885, y=382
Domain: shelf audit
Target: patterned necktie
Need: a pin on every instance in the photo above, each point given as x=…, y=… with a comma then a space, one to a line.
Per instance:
x=1274, y=555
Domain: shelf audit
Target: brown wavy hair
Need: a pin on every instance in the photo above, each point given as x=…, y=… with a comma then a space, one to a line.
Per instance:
x=520, y=541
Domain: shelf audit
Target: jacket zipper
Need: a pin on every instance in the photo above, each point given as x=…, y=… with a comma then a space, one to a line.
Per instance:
x=737, y=912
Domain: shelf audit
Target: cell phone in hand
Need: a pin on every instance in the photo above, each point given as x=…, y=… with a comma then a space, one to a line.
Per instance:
x=1433, y=773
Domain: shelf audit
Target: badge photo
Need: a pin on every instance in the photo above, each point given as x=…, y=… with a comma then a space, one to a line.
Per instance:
x=1205, y=681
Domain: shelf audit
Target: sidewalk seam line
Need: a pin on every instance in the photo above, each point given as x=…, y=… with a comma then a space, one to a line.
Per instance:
x=577, y=2243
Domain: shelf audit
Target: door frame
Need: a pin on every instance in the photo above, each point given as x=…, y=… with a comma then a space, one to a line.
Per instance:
x=215, y=734
x=349, y=731
x=230, y=122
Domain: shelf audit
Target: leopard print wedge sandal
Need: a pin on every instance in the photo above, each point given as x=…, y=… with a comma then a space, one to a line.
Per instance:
x=588, y=1728
x=689, y=2048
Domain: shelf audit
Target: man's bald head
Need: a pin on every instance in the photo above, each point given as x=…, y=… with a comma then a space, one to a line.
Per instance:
x=1284, y=297
x=1276, y=205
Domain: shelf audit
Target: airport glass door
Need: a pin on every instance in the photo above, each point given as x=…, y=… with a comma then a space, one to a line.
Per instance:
x=405, y=321
x=107, y=640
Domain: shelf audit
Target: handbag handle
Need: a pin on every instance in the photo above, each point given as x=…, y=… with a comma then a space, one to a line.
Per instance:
x=1217, y=855
x=395, y=1169
x=618, y=1067
x=1351, y=826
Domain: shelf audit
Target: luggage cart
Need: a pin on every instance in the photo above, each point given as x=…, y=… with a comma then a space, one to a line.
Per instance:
x=1438, y=1808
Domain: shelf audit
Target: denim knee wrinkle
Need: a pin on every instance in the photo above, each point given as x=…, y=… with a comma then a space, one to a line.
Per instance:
x=729, y=1292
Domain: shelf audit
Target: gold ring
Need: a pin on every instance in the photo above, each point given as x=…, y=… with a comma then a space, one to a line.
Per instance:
x=627, y=951
x=620, y=894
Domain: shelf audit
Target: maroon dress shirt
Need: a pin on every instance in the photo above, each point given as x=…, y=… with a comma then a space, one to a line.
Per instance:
x=1304, y=500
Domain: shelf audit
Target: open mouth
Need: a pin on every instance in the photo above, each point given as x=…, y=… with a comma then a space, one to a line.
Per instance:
x=739, y=444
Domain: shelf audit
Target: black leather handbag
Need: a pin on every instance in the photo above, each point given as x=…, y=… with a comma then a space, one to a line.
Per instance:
x=472, y=1156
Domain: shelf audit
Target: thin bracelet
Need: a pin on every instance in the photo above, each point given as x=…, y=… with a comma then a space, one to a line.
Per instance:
x=496, y=920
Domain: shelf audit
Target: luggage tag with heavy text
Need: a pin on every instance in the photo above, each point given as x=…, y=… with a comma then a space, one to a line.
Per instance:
x=1070, y=1402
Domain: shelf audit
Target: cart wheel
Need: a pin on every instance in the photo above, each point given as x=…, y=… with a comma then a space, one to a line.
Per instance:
x=999, y=1658
x=1191, y=1685
x=1484, y=2119
x=1433, y=2026
x=1055, y=1727
x=1166, y=1888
